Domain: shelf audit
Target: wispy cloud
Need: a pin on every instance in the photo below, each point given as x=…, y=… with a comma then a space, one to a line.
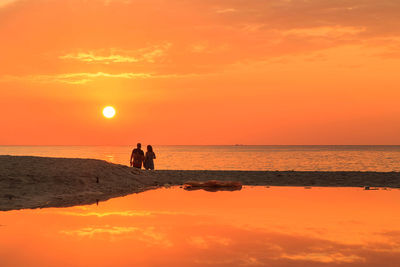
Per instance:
x=4, y=3
x=223, y=34
x=148, y=54
x=208, y=241
x=86, y=77
x=91, y=57
x=324, y=257
x=332, y=32
x=226, y=10
x=76, y=78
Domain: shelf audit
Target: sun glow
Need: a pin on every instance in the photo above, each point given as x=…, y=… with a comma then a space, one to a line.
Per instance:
x=109, y=112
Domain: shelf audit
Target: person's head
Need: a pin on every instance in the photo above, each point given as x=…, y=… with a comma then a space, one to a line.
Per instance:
x=139, y=145
x=149, y=148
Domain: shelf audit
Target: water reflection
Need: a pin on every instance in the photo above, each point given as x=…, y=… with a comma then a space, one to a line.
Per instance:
x=172, y=227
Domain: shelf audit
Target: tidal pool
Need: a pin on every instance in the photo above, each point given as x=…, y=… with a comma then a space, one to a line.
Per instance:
x=257, y=226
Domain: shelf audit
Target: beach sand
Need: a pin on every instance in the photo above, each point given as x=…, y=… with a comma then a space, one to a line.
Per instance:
x=36, y=182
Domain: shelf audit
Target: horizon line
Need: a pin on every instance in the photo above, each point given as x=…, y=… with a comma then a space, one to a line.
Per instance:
x=63, y=145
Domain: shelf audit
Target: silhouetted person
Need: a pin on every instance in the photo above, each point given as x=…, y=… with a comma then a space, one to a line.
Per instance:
x=149, y=158
x=137, y=157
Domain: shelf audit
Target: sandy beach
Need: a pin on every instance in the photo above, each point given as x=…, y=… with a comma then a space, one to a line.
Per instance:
x=36, y=182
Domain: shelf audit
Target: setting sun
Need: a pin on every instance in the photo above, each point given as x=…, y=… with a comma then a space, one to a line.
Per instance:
x=109, y=112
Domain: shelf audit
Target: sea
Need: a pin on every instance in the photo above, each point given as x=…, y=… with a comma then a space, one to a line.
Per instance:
x=236, y=157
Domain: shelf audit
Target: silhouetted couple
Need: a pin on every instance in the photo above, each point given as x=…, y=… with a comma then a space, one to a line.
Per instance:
x=138, y=157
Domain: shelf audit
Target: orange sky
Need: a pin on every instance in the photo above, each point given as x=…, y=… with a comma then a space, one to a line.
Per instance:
x=200, y=72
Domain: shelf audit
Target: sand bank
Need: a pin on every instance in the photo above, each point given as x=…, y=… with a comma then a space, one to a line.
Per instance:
x=37, y=182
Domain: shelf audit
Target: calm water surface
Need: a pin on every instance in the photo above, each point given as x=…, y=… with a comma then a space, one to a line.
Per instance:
x=300, y=158
x=257, y=226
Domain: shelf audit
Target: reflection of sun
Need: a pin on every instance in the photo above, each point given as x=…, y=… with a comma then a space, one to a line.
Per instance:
x=109, y=112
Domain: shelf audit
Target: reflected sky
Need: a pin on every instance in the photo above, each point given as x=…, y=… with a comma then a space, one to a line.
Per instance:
x=257, y=226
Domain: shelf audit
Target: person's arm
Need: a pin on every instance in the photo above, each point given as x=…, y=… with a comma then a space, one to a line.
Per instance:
x=131, y=160
x=154, y=155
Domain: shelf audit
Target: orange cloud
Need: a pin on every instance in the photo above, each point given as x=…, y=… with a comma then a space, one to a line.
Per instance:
x=4, y=3
x=77, y=78
x=91, y=57
x=150, y=55
x=324, y=257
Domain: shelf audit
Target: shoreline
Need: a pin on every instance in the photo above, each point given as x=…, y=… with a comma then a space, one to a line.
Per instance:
x=28, y=182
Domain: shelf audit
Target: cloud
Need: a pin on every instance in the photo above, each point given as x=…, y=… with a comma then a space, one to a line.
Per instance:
x=205, y=242
x=149, y=54
x=200, y=36
x=86, y=77
x=226, y=10
x=4, y=3
x=91, y=57
x=283, y=15
x=77, y=78
x=332, y=32
x=321, y=257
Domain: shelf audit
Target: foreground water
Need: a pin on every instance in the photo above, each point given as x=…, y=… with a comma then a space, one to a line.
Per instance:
x=299, y=158
x=277, y=226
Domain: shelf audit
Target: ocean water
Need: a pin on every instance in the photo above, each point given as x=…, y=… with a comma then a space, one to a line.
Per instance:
x=298, y=158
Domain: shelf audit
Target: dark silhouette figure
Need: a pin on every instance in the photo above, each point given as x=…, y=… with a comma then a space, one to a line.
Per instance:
x=149, y=158
x=137, y=157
